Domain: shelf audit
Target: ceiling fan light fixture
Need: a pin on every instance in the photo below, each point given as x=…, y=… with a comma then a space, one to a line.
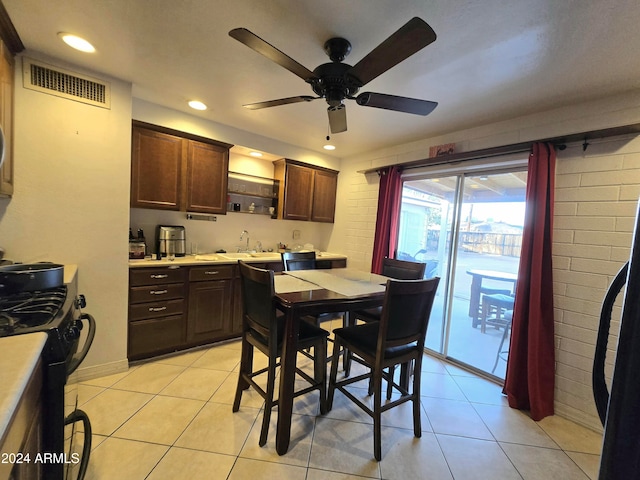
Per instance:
x=76, y=42
x=329, y=147
x=255, y=154
x=197, y=105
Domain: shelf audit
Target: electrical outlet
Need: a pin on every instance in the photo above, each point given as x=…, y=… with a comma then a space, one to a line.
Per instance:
x=296, y=234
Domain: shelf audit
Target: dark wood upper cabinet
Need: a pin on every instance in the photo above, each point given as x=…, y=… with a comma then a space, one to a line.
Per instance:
x=323, y=207
x=207, y=169
x=172, y=170
x=156, y=169
x=6, y=118
x=307, y=192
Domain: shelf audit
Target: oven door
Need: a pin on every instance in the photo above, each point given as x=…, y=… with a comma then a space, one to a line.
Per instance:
x=77, y=430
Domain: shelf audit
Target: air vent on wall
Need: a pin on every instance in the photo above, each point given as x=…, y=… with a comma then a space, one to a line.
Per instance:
x=63, y=83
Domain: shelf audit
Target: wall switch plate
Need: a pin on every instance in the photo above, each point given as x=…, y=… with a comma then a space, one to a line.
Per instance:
x=296, y=234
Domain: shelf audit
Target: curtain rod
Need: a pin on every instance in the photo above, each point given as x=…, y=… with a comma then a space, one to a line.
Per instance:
x=558, y=142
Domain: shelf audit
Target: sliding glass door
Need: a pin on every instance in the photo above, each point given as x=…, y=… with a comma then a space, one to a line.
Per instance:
x=467, y=228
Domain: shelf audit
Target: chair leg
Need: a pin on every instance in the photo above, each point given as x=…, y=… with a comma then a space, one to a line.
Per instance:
x=246, y=361
x=417, y=421
x=268, y=403
x=377, y=414
x=392, y=371
x=320, y=373
x=502, y=340
x=334, y=373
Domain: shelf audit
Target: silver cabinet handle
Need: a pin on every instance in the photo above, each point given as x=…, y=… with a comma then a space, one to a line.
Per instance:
x=164, y=275
x=157, y=309
x=158, y=292
x=211, y=273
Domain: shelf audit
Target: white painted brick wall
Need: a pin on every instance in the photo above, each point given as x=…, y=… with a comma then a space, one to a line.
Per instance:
x=596, y=200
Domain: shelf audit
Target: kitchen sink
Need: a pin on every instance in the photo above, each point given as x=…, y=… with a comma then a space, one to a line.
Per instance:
x=241, y=255
x=235, y=256
x=265, y=255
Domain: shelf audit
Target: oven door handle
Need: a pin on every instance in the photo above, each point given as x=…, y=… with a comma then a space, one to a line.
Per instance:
x=77, y=359
x=80, y=416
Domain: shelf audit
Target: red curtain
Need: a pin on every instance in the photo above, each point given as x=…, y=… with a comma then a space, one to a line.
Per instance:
x=389, y=197
x=530, y=377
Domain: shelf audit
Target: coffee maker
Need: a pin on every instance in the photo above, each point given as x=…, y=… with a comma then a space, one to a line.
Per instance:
x=171, y=240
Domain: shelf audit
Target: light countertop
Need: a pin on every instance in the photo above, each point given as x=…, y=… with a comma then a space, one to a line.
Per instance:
x=222, y=258
x=20, y=354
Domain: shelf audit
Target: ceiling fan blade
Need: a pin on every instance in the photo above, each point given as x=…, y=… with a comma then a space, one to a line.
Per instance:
x=337, y=119
x=393, y=102
x=254, y=42
x=410, y=38
x=280, y=101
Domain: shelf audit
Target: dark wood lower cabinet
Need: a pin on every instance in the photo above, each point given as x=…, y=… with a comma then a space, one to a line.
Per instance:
x=179, y=307
x=209, y=315
x=23, y=439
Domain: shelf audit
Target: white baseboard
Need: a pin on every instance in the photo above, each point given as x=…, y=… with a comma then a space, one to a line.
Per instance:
x=96, y=371
x=581, y=418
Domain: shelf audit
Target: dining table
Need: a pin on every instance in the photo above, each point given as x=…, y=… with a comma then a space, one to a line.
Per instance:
x=477, y=289
x=312, y=292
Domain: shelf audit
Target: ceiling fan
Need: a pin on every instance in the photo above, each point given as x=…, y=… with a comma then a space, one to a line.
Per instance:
x=337, y=81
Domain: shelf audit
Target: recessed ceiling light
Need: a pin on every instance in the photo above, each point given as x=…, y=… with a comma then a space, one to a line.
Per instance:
x=76, y=42
x=196, y=105
x=255, y=154
x=329, y=147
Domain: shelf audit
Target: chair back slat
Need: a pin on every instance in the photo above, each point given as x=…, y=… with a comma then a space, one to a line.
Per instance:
x=298, y=261
x=402, y=270
x=406, y=311
x=257, y=297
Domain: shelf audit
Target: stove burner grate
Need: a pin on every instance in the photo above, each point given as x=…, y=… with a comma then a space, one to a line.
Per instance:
x=30, y=309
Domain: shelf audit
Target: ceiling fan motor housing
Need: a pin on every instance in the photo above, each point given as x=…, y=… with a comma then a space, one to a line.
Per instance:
x=333, y=83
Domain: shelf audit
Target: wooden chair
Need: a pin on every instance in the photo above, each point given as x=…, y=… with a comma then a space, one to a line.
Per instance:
x=263, y=328
x=400, y=270
x=298, y=261
x=398, y=338
x=292, y=261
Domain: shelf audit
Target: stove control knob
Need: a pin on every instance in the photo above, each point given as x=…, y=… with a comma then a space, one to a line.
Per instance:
x=81, y=302
x=72, y=334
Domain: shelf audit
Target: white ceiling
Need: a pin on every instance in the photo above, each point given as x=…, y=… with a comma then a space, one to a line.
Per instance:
x=492, y=59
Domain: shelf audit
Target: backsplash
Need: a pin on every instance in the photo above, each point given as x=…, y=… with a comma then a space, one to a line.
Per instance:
x=205, y=236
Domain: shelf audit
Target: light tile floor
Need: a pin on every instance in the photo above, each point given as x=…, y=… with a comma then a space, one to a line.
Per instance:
x=171, y=418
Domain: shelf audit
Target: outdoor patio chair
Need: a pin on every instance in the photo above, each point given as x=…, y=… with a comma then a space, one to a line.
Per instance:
x=494, y=311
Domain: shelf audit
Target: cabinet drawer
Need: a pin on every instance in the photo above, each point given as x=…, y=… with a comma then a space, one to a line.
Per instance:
x=154, y=293
x=154, y=336
x=142, y=311
x=155, y=276
x=211, y=272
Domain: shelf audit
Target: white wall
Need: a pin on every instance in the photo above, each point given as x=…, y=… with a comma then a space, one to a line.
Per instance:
x=583, y=235
x=596, y=199
x=71, y=200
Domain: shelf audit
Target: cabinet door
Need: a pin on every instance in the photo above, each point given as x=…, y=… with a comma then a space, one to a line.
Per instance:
x=324, y=196
x=207, y=168
x=156, y=169
x=297, y=197
x=209, y=315
x=6, y=118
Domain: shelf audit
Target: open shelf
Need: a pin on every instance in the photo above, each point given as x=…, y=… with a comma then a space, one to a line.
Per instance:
x=243, y=190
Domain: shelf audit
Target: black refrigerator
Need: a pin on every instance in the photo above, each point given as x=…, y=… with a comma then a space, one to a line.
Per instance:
x=619, y=409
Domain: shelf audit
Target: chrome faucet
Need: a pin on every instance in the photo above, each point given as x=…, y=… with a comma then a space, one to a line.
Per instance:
x=242, y=235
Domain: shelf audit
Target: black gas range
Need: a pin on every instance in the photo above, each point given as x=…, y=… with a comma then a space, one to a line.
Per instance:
x=58, y=312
